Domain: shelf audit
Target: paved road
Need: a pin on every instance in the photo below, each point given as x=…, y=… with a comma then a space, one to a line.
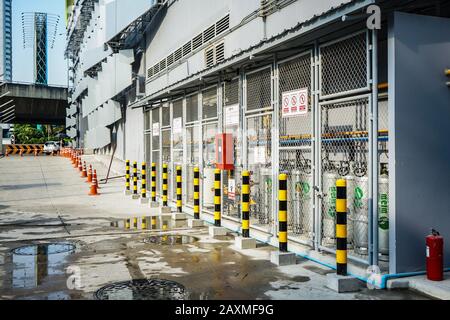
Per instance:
x=43, y=200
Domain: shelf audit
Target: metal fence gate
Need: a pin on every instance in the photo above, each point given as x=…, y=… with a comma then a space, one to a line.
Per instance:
x=258, y=146
x=296, y=148
x=166, y=144
x=344, y=139
x=209, y=131
x=177, y=143
x=156, y=146
x=192, y=145
x=231, y=123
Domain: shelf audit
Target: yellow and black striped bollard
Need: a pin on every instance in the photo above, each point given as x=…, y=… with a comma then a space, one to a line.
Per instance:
x=282, y=213
x=127, y=224
x=127, y=178
x=245, y=204
x=144, y=183
x=135, y=223
x=144, y=223
x=217, y=198
x=341, y=227
x=164, y=186
x=154, y=182
x=135, y=181
x=179, y=190
x=196, y=193
x=153, y=223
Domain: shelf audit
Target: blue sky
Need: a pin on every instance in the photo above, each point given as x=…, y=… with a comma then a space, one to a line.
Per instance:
x=23, y=66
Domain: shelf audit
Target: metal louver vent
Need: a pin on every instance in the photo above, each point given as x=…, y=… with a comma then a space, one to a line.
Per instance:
x=223, y=24
x=156, y=68
x=178, y=54
x=220, y=52
x=213, y=55
x=197, y=42
x=162, y=65
x=170, y=60
x=209, y=33
x=209, y=57
x=150, y=72
x=187, y=48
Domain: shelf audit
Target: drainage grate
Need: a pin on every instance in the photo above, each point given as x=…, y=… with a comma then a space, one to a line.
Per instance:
x=142, y=289
x=171, y=240
x=45, y=248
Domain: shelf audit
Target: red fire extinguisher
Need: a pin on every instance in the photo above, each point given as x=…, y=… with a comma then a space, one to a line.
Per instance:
x=435, y=256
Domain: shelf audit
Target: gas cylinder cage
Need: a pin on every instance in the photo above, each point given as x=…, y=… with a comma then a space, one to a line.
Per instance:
x=334, y=139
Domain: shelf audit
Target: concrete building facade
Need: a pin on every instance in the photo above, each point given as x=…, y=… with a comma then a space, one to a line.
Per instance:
x=307, y=88
x=6, y=40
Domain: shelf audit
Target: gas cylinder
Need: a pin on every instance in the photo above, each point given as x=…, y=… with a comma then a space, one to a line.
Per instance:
x=435, y=256
x=329, y=208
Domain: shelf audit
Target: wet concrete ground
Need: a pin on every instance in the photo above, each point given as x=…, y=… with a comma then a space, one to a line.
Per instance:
x=110, y=240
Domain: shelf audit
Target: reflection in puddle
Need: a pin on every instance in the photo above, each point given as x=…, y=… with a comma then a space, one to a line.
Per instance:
x=32, y=265
x=149, y=223
x=171, y=239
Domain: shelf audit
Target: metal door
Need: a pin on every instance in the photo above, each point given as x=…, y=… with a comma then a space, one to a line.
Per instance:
x=296, y=147
x=258, y=146
x=231, y=124
x=177, y=142
x=344, y=140
x=209, y=131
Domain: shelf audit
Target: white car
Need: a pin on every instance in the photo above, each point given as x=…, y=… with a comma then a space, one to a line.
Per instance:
x=51, y=147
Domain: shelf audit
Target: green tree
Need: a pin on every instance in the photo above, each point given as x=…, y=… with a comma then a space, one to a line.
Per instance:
x=29, y=134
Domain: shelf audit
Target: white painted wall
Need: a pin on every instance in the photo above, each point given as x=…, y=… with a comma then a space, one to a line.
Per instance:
x=134, y=130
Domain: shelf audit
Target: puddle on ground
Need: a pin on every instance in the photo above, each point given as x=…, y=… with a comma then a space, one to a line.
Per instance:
x=32, y=265
x=149, y=223
x=142, y=289
x=319, y=270
x=224, y=238
x=44, y=249
x=171, y=239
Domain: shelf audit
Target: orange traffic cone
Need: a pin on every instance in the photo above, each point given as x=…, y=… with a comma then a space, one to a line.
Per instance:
x=80, y=165
x=93, y=190
x=83, y=171
x=89, y=174
x=95, y=179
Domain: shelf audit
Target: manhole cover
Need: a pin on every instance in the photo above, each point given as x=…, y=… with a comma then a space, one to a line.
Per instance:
x=142, y=289
x=47, y=248
x=171, y=239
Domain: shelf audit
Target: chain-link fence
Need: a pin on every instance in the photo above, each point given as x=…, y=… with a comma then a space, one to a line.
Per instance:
x=258, y=93
x=296, y=148
x=383, y=180
x=166, y=136
x=344, y=66
x=156, y=147
x=344, y=151
x=193, y=159
x=232, y=178
x=259, y=158
x=177, y=142
x=209, y=135
x=259, y=90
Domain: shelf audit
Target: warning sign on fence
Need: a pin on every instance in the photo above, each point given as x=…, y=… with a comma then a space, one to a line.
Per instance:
x=295, y=103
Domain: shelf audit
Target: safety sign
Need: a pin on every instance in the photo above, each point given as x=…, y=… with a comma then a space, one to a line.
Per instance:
x=294, y=103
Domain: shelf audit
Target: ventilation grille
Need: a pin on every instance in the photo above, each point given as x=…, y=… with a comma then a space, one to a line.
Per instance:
x=216, y=55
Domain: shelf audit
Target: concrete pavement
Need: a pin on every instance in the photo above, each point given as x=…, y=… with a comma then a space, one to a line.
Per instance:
x=43, y=200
